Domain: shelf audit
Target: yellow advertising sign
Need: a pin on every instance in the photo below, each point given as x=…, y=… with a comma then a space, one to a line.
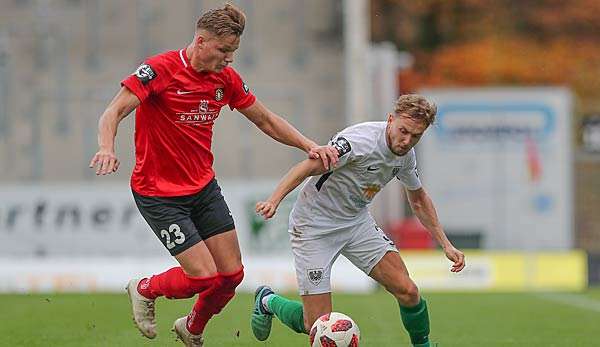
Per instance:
x=500, y=271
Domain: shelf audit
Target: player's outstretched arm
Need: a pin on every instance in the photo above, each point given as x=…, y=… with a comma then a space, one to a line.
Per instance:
x=282, y=131
x=296, y=175
x=422, y=206
x=123, y=103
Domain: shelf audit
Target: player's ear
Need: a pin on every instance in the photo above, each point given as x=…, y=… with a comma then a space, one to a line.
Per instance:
x=200, y=40
x=390, y=118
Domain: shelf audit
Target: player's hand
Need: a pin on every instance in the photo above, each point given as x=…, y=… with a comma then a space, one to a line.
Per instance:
x=266, y=209
x=328, y=154
x=457, y=257
x=106, y=162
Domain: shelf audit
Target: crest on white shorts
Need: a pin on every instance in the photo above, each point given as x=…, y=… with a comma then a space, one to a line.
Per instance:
x=315, y=276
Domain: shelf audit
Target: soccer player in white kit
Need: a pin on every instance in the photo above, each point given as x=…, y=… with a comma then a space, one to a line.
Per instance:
x=331, y=218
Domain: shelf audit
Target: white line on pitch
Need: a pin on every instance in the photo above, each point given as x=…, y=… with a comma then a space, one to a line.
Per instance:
x=575, y=300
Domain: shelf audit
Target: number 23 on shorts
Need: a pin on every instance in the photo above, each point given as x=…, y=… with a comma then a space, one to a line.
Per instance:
x=174, y=230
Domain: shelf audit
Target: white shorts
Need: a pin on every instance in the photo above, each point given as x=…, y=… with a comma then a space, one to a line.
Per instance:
x=364, y=244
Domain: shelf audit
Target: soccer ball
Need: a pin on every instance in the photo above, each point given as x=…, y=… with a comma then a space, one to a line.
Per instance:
x=334, y=330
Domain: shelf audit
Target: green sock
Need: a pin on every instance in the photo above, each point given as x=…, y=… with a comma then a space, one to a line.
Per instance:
x=288, y=311
x=416, y=322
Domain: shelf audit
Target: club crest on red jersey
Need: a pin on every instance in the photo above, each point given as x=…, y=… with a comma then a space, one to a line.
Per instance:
x=219, y=94
x=203, y=107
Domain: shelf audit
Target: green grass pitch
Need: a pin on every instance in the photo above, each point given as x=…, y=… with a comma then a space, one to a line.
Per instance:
x=457, y=319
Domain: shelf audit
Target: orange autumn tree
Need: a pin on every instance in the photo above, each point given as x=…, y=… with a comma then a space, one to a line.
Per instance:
x=485, y=42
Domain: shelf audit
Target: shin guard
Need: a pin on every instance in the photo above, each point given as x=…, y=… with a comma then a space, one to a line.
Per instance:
x=174, y=284
x=214, y=300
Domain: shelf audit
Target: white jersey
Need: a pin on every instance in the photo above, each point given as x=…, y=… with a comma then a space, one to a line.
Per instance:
x=340, y=197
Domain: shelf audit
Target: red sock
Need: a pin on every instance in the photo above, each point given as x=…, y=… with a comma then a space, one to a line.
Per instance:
x=211, y=302
x=174, y=284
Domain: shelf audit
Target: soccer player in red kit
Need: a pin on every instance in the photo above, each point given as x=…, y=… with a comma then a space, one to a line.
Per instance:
x=177, y=96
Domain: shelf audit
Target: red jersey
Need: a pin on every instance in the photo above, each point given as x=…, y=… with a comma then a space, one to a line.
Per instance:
x=174, y=122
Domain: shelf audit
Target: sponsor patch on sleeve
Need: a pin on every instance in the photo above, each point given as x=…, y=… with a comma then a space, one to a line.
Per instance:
x=245, y=86
x=342, y=145
x=144, y=73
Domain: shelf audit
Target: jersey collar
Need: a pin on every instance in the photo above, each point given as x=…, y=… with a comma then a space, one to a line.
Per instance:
x=184, y=58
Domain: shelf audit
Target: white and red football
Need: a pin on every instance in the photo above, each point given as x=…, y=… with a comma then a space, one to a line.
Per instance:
x=334, y=330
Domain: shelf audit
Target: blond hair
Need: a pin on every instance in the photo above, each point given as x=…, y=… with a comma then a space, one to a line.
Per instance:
x=225, y=21
x=416, y=107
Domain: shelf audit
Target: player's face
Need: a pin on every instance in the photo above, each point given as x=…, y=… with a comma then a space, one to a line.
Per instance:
x=403, y=133
x=216, y=52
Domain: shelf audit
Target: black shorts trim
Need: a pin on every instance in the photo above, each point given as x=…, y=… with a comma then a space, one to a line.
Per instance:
x=188, y=244
x=207, y=235
x=219, y=230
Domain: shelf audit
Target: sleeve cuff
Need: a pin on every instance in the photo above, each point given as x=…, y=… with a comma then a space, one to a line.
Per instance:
x=131, y=85
x=244, y=104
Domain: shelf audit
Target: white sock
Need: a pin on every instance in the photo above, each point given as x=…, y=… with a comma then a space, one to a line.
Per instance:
x=265, y=303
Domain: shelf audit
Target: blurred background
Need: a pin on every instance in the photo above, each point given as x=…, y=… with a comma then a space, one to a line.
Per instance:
x=513, y=163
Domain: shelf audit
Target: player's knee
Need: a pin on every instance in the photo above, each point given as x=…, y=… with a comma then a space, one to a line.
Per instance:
x=200, y=285
x=228, y=282
x=408, y=295
x=224, y=289
x=412, y=293
x=405, y=291
x=198, y=270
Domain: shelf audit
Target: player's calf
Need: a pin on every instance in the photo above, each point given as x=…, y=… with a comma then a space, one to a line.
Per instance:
x=225, y=286
x=175, y=284
x=413, y=310
x=214, y=300
x=405, y=292
x=416, y=321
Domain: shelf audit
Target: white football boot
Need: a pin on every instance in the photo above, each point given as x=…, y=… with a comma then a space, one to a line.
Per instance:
x=188, y=339
x=143, y=310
